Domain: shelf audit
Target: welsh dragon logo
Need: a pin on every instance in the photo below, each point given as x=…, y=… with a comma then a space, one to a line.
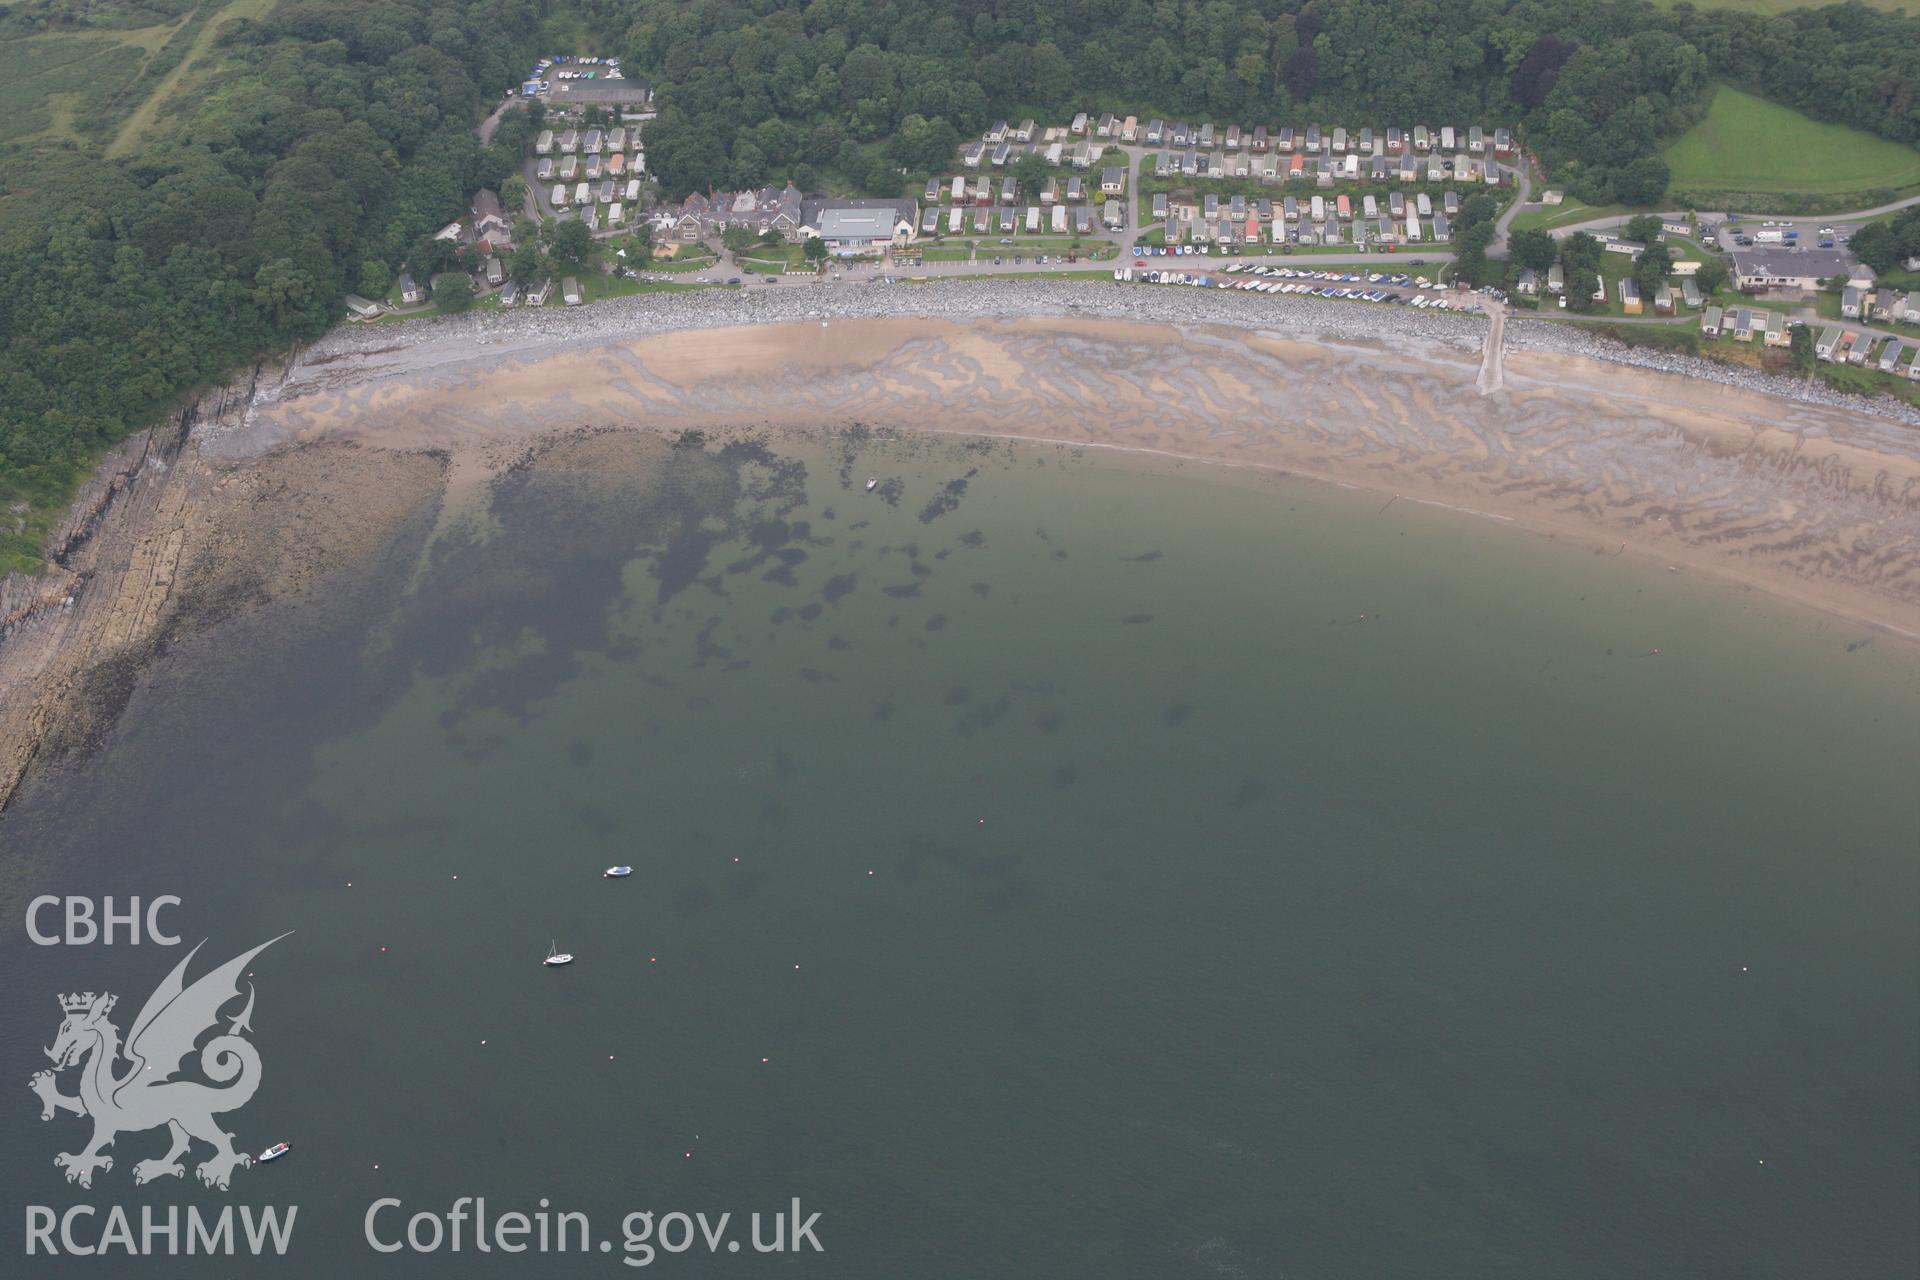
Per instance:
x=147, y=1094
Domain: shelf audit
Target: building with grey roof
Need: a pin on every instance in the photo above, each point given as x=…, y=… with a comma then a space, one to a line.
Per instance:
x=1781, y=268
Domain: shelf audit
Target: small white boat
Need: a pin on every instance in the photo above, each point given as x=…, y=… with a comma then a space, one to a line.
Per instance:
x=616, y=873
x=557, y=957
x=275, y=1151
x=872, y=484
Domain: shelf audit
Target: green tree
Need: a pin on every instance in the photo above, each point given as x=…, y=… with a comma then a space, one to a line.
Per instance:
x=1581, y=251
x=287, y=294
x=1642, y=181
x=1876, y=245
x=1651, y=267
x=527, y=263
x=453, y=292
x=815, y=249
x=1581, y=284
x=1712, y=276
x=1533, y=249
x=375, y=278
x=1470, y=254
x=640, y=246
x=571, y=242
x=1800, y=348
x=1644, y=227
x=924, y=144
x=1030, y=171
x=1476, y=208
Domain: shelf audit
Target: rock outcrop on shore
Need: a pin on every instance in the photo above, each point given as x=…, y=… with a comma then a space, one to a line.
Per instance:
x=164, y=540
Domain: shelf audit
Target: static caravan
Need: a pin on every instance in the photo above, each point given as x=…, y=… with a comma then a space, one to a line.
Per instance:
x=1033, y=218
x=559, y=196
x=1059, y=219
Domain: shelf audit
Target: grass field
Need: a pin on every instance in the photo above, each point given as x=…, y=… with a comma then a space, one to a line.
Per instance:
x=1567, y=212
x=195, y=61
x=44, y=78
x=1747, y=144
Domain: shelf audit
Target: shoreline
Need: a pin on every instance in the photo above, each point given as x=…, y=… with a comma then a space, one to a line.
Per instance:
x=650, y=314
x=260, y=491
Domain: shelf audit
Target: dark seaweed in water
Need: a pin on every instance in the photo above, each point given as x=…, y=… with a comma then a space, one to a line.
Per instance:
x=564, y=531
x=948, y=499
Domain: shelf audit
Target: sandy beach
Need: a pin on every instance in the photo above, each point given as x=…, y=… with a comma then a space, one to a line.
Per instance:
x=262, y=491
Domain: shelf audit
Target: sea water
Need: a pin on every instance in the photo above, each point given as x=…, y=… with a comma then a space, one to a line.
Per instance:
x=1050, y=863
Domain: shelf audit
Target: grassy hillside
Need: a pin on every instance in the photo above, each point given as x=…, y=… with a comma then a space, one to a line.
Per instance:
x=196, y=59
x=107, y=72
x=1747, y=144
x=48, y=81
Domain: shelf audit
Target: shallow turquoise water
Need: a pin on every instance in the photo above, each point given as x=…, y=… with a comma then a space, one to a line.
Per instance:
x=1072, y=866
